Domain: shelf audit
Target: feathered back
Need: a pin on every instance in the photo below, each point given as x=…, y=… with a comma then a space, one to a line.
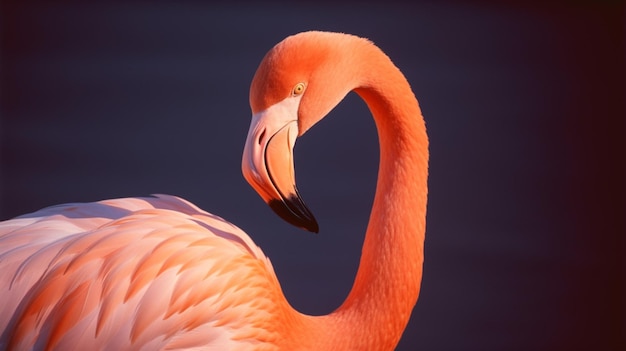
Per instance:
x=127, y=272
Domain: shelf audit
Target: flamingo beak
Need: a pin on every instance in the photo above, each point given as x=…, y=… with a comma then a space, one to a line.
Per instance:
x=268, y=167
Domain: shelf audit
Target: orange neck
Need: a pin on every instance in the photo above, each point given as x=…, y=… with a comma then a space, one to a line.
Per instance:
x=387, y=283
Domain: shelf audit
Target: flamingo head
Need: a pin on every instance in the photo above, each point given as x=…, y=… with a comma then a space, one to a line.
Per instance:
x=297, y=83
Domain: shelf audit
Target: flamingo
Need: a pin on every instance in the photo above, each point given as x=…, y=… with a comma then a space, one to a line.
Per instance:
x=160, y=273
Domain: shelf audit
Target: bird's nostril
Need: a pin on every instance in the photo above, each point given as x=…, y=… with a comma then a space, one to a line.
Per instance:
x=261, y=136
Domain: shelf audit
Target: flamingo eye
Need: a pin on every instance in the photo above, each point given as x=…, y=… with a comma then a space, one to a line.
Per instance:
x=298, y=89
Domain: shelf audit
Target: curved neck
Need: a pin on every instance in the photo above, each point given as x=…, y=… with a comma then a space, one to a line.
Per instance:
x=388, y=281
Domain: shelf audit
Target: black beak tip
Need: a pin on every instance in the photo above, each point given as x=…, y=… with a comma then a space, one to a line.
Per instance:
x=295, y=212
x=313, y=227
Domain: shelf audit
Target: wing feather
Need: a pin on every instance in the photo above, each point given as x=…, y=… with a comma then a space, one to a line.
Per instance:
x=130, y=274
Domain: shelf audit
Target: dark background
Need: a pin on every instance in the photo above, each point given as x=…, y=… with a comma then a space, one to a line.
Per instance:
x=524, y=105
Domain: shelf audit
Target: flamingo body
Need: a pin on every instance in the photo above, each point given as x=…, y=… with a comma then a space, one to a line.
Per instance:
x=135, y=273
x=160, y=274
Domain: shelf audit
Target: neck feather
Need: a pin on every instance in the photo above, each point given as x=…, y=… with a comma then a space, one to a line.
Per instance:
x=388, y=281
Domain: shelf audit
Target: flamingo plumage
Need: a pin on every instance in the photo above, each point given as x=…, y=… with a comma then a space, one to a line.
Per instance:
x=160, y=273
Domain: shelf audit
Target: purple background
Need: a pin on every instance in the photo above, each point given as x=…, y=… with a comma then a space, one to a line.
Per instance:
x=524, y=105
